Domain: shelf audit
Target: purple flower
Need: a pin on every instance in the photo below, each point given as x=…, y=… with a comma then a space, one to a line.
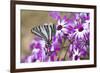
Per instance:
x=31, y=58
x=37, y=43
x=61, y=27
x=61, y=23
x=85, y=16
x=52, y=56
x=37, y=47
x=81, y=17
x=56, y=46
x=78, y=53
x=37, y=55
x=55, y=15
x=81, y=32
x=77, y=49
x=77, y=29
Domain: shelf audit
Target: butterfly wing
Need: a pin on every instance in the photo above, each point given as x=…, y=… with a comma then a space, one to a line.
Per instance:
x=46, y=31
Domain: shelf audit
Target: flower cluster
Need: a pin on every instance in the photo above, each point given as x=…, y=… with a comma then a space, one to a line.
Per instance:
x=70, y=42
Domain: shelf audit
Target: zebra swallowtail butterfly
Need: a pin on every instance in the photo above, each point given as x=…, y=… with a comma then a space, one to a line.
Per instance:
x=46, y=32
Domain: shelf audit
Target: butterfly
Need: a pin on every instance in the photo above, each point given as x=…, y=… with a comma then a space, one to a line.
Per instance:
x=45, y=32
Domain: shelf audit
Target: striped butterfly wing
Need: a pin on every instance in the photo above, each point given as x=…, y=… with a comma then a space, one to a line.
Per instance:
x=46, y=31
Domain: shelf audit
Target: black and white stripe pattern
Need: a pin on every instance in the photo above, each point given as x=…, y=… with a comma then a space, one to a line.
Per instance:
x=45, y=31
